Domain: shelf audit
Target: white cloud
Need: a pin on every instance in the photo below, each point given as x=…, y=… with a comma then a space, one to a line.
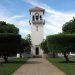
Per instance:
x=23, y=22
x=25, y=31
x=24, y=27
x=14, y=17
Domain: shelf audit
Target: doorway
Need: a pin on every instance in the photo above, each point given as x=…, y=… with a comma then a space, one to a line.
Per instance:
x=37, y=50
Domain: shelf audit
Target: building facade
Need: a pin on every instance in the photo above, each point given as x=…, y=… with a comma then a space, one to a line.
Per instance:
x=37, y=23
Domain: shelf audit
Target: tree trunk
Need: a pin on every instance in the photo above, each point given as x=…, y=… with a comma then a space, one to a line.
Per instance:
x=20, y=55
x=5, y=59
x=53, y=54
x=66, y=57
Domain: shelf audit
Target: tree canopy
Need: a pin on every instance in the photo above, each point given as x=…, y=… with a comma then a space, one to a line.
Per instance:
x=26, y=45
x=44, y=46
x=69, y=27
x=8, y=28
x=64, y=43
x=10, y=40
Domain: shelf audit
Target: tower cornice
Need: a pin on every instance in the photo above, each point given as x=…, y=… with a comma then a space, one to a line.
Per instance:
x=37, y=9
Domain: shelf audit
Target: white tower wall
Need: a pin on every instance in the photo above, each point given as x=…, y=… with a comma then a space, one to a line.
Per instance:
x=37, y=36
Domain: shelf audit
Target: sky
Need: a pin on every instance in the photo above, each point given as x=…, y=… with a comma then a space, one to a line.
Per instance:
x=57, y=12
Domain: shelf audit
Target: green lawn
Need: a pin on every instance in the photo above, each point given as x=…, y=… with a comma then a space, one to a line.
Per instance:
x=12, y=66
x=68, y=68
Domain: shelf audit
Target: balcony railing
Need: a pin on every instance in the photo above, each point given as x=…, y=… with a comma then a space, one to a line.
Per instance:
x=37, y=22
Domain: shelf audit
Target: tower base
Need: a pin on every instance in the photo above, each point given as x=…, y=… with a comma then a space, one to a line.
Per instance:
x=36, y=51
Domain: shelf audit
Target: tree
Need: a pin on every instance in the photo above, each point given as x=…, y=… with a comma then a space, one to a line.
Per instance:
x=25, y=45
x=10, y=40
x=44, y=46
x=64, y=43
x=28, y=38
x=69, y=27
x=10, y=44
x=8, y=28
x=28, y=47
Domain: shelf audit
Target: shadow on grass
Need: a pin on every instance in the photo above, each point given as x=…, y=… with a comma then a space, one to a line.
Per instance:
x=15, y=62
x=62, y=60
x=22, y=62
x=66, y=62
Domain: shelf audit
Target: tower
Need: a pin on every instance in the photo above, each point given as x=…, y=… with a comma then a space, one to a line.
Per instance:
x=37, y=22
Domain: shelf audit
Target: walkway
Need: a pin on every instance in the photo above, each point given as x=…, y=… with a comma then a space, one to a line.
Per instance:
x=38, y=66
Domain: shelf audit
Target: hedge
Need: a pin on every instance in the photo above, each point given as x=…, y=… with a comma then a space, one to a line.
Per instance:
x=61, y=42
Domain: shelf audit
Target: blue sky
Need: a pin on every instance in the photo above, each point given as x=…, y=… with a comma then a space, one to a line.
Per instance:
x=57, y=13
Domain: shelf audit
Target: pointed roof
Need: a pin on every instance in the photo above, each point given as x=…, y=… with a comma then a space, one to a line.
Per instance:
x=37, y=9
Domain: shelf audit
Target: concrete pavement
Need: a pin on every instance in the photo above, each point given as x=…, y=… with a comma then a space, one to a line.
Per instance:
x=38, y=66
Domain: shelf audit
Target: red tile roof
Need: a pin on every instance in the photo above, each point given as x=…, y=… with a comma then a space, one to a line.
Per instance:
x=37, y=9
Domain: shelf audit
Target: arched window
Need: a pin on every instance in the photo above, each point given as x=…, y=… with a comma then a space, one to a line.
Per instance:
x=37, y=16
x=40, y=17
x=33, y=18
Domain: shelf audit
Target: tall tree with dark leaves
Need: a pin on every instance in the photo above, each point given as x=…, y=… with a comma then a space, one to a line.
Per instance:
x=69, y=27
x=9, y=39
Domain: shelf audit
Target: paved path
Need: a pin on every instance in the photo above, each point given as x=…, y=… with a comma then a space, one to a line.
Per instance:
x=38, y=66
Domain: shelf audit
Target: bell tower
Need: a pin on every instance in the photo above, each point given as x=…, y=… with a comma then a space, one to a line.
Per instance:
x=37, y=22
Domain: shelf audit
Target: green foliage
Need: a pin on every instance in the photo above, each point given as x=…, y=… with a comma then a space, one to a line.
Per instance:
x=10, y=43
x=61, y=42
x=25, y=45
x=8, y=28
x=69, y=27
x=28, y=37
x=44, y=46
x=10, y=40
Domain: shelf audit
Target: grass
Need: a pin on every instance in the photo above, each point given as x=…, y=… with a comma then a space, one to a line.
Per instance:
x=12, y=66
x=67, y=68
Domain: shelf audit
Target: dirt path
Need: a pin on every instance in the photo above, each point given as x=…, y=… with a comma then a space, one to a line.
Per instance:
x=38, y=66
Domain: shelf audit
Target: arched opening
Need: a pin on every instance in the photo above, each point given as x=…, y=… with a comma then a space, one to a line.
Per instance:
x=40, y=17
x=37, y=50
x=37, y=16
x=33, y=18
